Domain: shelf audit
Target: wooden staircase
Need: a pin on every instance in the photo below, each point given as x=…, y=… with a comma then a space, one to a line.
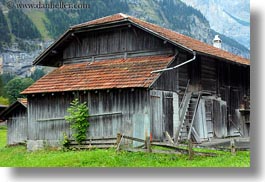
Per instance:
x=188, y=111
x=184, y=130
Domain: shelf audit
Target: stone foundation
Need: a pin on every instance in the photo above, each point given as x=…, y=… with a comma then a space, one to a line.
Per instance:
x=33, y=145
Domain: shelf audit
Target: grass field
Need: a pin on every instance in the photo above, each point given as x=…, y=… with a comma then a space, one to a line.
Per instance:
x=17, y=156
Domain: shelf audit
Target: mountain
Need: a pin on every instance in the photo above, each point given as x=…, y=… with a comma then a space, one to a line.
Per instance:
x=231, y=18
x=178, y=16
x=25, y=31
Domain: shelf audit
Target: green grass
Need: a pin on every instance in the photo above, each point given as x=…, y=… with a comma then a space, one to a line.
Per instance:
x=17, y=156
x=38, y=18
x=3, y=131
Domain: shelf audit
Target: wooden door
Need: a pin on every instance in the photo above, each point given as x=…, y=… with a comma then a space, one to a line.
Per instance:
x=161, y=114
x=156, y=115
x=168, y=112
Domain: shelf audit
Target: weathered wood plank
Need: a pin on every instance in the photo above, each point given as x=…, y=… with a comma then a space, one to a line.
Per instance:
x=109, y=41
x=111, y=112
x=132, y=138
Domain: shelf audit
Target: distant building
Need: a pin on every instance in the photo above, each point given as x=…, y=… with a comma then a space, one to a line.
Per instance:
x=17, y=122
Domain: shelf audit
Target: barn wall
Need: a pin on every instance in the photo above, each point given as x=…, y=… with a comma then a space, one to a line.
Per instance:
x=209, y=79
x=220, y=78
x=174, y=80
x=111, y=43
x=224, y=80
x=233, y=85
x=125, y=111
x=164, y=113
x=211, y=118
x=112, y=111
x=230, y=82
x=46, y=116
x=168, y=81
x=17, y=126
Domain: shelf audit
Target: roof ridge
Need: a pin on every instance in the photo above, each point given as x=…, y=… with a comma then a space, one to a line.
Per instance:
x=124, y=15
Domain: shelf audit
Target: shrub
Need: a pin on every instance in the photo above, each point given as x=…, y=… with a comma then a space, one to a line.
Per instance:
x=78, y=119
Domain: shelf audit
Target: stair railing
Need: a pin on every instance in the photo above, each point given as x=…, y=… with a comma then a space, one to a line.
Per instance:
x=182, y=112
x=194, y=114
x=185, y=93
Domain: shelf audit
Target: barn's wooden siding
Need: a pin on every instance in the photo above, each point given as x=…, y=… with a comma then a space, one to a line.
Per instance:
x=46, y=115
x=208, y=75
x=113, y=43
x=112, y=111
x=211, y=118
x=224, y=80
x=17, y=125
x=125, y=111
x=174, y=80
x=227, y=80
x=168, y=81
x=164, y=113
x=183, y=75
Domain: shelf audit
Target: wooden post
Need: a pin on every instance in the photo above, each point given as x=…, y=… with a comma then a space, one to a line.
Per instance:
x=148, y=144
x=191, y=153
x=233, y=146
x=118, y=141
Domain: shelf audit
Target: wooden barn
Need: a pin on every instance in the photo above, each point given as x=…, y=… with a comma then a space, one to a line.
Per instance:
x=17, y=122
x=139, y=79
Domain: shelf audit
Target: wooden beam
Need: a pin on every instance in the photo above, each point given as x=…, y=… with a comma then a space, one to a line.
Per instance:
x=135, y=139
x=106, y=114
x=169, y=138
x=51, y=119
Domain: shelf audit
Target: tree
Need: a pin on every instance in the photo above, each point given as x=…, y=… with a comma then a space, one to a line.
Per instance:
x=15, y=86
x=37, y=74
x=6, y=77
x=78, y=120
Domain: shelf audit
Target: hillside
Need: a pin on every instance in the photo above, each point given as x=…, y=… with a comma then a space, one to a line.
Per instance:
x=48, y=24
x=231, y=18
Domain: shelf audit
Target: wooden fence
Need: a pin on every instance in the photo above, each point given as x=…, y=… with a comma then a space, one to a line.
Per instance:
x=119, y=143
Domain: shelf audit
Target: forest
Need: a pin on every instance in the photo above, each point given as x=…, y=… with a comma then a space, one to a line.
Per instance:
x=11, y=86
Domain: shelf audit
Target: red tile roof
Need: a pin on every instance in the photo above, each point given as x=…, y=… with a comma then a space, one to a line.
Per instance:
x=23, y=101
x=107, y=74
x=177, y=38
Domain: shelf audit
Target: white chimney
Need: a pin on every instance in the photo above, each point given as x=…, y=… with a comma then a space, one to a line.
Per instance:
x=217, y=42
